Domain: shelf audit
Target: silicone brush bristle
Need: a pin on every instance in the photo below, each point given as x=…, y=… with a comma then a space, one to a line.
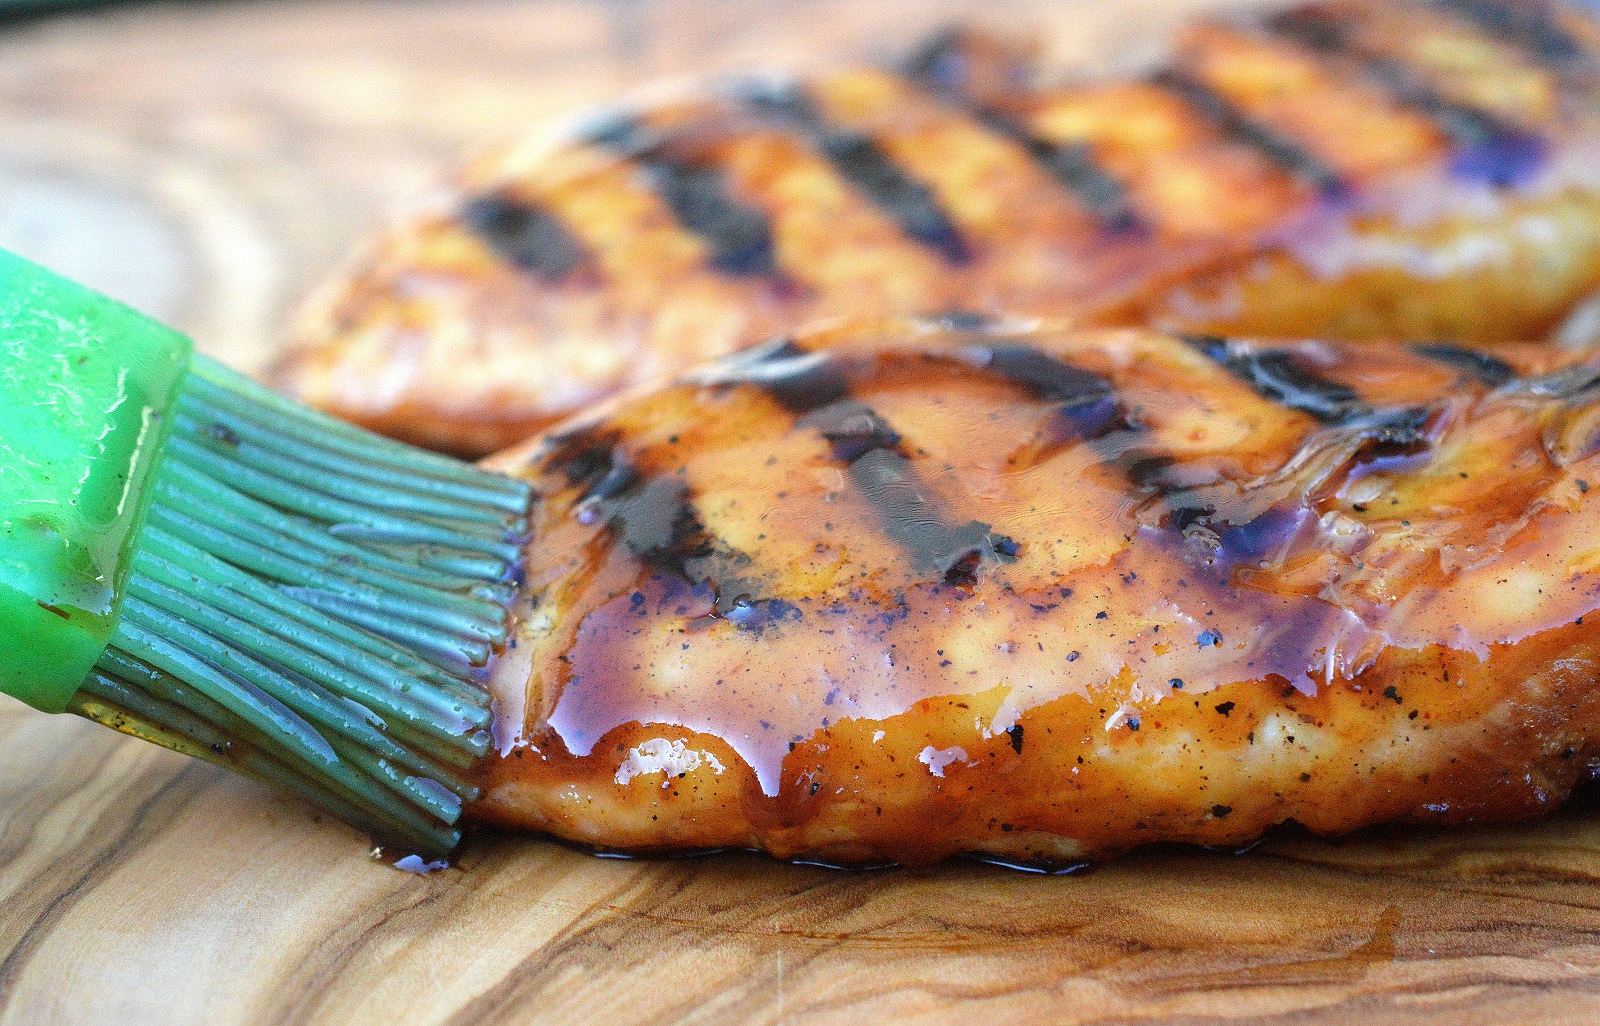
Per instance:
x=315, y=606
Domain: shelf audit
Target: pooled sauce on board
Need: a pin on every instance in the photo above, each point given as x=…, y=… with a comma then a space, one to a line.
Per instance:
x=912, y=588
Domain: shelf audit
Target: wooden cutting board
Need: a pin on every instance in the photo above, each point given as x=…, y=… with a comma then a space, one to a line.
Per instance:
x=210, y=163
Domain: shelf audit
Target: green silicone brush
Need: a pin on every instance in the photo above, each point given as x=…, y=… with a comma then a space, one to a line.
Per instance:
x=191, y=559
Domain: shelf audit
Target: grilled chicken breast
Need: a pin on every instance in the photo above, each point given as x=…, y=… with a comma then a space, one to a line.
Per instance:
x=906, y=589
x=1357, y=169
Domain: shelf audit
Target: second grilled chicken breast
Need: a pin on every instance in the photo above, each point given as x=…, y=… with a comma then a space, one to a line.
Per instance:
x=909, y=589
x=1356, y=168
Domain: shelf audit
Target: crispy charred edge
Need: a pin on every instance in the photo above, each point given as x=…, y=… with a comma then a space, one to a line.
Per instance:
x=1482, y=367
x=738, y=236
x=944, y=63
x=1487, y=148
x=861, y=162
x=525, y=234
x=1531, y=26
x=1235, y=124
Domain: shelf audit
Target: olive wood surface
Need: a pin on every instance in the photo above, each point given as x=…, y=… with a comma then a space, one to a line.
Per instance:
x=210, y=163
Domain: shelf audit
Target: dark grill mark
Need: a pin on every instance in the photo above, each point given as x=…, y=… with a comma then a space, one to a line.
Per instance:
x=1086, y=410
x=953, y=58
x=1487, y=149
x=1145, y=469
x=1530, y=27
x=739, y=236
x=1233, y=122
x=1072, y=164
x=1278, y=375
x=1085, y=400
x=524, y=234
x=652, y=516
x=862, y=163
x=871, y=451
x=1489, y=370
x=581, y=454
x=655, y=520
x=815, y=389
x=941, y=66
x=798, y=380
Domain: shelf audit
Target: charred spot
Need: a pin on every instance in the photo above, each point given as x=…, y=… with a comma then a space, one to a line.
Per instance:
x=652, y=516
x=1015, y=734
x=739, y=236
x=1145, y=471
x=657, y=523
x=1221, y=811
x=964, y=572
x=524, y=234
x=1392, y=431
x=1225, y=708
x=617, y=479
x=1185, y=516
x=582, y=455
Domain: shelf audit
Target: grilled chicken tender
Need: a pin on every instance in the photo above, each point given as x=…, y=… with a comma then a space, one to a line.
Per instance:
x=908, y=589
x=1357, y=169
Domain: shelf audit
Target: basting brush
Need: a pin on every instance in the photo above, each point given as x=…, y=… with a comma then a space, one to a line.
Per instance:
x=191, y=559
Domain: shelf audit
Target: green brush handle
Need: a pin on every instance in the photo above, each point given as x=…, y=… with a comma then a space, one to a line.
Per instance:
x=191, y=559
x=86, y=386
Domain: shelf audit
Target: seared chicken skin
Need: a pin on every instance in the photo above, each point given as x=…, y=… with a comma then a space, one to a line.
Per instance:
x=907, y=589
x=1357, y=169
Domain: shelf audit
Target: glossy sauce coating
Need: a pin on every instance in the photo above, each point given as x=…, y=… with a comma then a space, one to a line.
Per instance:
x=1356, y=168
x=904, y=589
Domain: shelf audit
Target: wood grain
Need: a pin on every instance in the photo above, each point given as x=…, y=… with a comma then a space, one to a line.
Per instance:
x=211, y=163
